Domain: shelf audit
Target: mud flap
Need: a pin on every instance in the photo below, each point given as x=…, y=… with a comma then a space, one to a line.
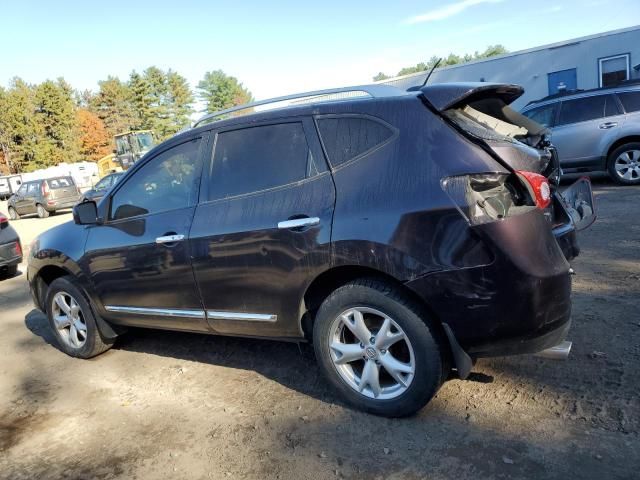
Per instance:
x=461, y=359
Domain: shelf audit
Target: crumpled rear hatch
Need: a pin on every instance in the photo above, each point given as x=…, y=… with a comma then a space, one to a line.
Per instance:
x=481, y=112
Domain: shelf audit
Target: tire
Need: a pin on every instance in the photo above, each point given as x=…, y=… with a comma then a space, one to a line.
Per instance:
x=10, y=272
x=627, y=155
x=421, y=349
x=62, y=322
x=13, y=214
x=42, y=212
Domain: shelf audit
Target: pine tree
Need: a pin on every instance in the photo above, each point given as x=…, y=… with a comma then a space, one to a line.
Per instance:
x=219, y=91
x=141, y=100
x=55, y=112
x=113, y=105
x=180, y=100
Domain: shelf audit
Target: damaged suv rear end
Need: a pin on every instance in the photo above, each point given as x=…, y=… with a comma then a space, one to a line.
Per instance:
x=520, y=301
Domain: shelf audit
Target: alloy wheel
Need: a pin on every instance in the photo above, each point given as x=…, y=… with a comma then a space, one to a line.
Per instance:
x=69, y=320
x=371, y=353
x=627, y=165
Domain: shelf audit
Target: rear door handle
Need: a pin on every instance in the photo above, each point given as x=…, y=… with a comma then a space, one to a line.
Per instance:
x=607, y=125
x=299, y=222
x=170, y=238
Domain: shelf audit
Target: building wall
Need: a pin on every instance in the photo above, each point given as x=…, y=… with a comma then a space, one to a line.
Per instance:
x=529, y=68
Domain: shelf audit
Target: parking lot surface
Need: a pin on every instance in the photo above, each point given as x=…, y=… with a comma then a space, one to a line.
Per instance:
x=176, y=405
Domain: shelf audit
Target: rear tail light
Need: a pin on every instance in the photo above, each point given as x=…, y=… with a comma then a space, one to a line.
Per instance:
x=483, y=198
x=45, y=189
x=538, y=187
x=17, y=249
x=3, y=219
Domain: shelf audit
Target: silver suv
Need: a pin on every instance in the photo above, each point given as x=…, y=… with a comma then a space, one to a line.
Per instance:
x=594, y=130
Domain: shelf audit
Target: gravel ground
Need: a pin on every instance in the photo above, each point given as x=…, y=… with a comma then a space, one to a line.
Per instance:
x=175, y=405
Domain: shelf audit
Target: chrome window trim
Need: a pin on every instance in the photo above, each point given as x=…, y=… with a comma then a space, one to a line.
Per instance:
x=250, y=317
x=162, y=312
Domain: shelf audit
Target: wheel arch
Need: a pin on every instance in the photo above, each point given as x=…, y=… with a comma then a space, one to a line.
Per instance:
x=618, y=143
x=329, y=280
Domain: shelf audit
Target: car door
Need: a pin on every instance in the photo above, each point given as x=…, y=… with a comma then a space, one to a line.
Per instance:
x=582, y=127
x=138, y=259
x=19, y=199
x=263, y=231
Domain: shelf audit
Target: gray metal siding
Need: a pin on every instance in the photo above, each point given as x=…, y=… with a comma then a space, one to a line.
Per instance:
x=529, y=68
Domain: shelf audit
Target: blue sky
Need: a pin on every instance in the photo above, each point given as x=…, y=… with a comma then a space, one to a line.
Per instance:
x=283, y=47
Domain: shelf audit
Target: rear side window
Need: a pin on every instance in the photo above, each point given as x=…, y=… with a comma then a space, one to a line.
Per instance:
x=544, y=115
x=346, y=138
x=60, y=182
x=32, y=188
x=589, y=108
x=258, y=158
x=630, y=101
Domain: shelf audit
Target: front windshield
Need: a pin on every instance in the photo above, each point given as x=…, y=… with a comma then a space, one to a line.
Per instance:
x=145, y=140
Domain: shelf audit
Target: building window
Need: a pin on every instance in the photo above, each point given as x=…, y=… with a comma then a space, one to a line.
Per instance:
x=613, y=70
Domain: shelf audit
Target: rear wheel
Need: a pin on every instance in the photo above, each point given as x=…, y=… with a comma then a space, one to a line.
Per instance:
x=72, y=320
x=42, y=212
x=624, y=164
x=378, y=349
x=13, y=214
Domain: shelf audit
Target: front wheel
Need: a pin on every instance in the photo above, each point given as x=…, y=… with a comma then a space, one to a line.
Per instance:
x=13, y=214
x=72, y=320
x=624, y=164
x=42, y=212
x=378, y=349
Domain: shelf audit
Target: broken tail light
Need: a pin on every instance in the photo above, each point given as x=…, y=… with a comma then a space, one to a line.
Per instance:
x=538, y=186
x=488, y=197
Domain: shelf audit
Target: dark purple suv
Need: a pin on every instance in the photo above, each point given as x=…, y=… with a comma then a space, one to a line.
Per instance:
x=403, y=233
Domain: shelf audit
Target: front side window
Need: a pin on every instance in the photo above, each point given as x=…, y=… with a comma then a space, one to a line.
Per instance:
x=23, y=189
x=166, y=182
x=544, y=115
x=588, y=108
x=614, y=70
x=258, y=158
x=346, y=138
x=630, y=101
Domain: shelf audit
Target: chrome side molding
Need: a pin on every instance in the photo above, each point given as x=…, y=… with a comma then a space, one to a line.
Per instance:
x=160, y=312
x=248, y=317
x=188, y=313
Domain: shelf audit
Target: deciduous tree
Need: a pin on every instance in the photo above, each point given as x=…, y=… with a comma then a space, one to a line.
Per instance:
x=95, y=141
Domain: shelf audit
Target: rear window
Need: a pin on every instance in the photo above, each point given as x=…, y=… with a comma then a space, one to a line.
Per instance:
x=630, y=101
x=346, y=138
x=60, y=182
x=589, y=108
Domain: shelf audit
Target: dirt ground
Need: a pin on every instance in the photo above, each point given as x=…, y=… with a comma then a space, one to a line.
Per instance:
x=174, y=405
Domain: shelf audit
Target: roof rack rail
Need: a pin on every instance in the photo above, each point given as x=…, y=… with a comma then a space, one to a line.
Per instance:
x=317, y=96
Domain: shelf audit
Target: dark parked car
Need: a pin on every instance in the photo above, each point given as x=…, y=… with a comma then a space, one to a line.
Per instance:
x=10, y=249
x=44, y=197
x=403, y=233
x=102, y=187
x=595, y=130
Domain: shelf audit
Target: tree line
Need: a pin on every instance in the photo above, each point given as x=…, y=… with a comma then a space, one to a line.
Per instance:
x=451, y=59
x=47, y=123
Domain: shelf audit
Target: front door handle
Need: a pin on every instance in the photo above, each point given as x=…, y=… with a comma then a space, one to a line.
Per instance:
x=170, y=238
x=299, y=222
x=607, y=125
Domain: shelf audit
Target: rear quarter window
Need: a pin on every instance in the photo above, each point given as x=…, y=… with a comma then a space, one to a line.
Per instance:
x=544, y=115
x=630, y=101
x=346, y=138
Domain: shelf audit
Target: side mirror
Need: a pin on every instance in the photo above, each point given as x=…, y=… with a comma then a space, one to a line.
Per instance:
x=85, y=213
